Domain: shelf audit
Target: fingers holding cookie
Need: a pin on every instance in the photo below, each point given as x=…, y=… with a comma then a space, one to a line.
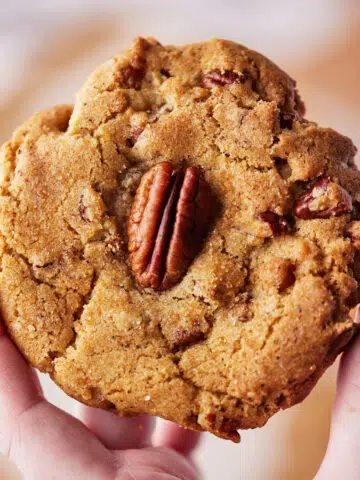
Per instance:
x=19, y=388
x=168, y=434
x=118, y=433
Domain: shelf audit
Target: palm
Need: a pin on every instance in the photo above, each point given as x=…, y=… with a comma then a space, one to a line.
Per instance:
x=45, y=442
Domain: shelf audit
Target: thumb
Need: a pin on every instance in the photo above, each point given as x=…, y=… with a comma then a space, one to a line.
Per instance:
x=19, y=388
x=342, y=459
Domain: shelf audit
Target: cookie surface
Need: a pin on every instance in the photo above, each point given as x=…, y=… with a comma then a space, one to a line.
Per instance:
x=262, y=307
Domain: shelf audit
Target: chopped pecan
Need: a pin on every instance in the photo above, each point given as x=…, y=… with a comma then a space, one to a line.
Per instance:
x=280, y=400
x=356, y=265
x=277, y=225
x=210, y=417
x=240, y=311
x=135, y=133
x=355, y=214
x=218, y=78
x=137, y=130
x=224, y=427
x=354, y=298
x=286, y=120
x=131, y=77
x=185, y=336
x=113, y=243
x=283, y=168
x=156, y=114
x=354, y=233
x=165, y=72
x=323, y=199
x=168, y=221
x=83, y=210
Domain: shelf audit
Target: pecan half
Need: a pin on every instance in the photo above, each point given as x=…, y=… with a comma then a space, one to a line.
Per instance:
x=168, y=221
x=324, y=199
x=218, y=78
x=277, y=225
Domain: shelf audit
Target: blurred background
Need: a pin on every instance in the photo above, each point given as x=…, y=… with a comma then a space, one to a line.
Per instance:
x=47, y=49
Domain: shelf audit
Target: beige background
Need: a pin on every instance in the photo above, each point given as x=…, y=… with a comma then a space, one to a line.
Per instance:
x=48, y=48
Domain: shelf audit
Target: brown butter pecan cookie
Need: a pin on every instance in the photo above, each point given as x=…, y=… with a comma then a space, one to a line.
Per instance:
x=182, y=242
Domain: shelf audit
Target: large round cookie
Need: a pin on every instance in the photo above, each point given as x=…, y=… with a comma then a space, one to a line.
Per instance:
x=259, y=302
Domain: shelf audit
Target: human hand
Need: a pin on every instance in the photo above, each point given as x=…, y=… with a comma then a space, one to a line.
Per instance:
x=45, y=442
x=342, y=459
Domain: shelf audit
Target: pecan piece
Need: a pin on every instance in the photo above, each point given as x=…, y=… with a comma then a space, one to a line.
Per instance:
x=286, y=120
x=324, y=199
x=354, y=233
x=182, y=336
x=218, y=78
x=136, y=130
x=168, y=221
x=222, y=426
x=135, y=133
x=165, y=72
x=155, y=115
x=83, y=210
x=131, y=77
x=280, y=400
x=277, y=224
x=355, y=214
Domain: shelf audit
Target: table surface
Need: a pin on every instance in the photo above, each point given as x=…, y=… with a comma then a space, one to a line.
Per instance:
x=48, y=49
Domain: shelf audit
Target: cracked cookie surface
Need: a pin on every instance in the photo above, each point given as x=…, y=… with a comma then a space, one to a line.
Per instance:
x=262, y=310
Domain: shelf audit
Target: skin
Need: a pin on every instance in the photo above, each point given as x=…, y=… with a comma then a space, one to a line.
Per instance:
x=46, y=442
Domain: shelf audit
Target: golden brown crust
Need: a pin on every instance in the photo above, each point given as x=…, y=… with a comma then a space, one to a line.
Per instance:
x=262, y=310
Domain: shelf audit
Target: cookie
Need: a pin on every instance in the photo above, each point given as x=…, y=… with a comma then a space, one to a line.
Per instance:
x=182, y=242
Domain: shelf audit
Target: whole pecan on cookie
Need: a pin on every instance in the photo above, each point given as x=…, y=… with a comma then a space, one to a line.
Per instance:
x=324, y=199
x=168, y=221
x=218, y=78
